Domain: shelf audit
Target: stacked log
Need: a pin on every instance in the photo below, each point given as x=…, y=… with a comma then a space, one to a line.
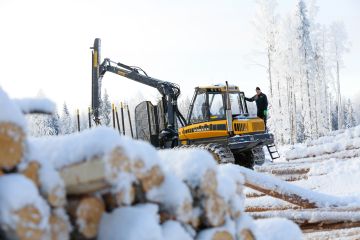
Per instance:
x=12, y=133
x=24, y=213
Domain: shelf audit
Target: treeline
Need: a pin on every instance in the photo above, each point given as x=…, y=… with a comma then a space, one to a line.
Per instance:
x=303, y=61
x=66, y=121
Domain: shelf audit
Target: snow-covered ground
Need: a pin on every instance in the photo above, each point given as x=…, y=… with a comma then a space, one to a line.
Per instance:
x=328, y=165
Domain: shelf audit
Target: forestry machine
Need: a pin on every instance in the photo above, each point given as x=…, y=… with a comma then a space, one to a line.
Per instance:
x=218, y=118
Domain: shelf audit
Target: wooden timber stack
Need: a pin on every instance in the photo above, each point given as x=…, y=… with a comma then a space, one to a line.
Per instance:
x=72, y=208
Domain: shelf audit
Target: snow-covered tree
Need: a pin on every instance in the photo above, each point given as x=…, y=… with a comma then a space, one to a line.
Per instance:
x=43, y=124
x=84, y=120
x=105, y=110
x=184, y=105
x=338, y=45
x=299, y=69
x=349, y=116
x=356, y=105
x=322, y=74
x=266, y=25
x=54, y=122
x=66, y=123
x=305, y=68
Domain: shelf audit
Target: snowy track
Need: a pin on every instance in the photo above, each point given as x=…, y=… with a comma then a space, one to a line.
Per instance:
x=329, y=165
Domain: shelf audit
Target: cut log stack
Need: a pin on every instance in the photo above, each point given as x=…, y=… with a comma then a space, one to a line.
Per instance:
x=66, y=187
x=312, y=211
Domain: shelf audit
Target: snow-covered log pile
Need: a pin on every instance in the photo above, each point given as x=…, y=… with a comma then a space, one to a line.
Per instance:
x=328, y=170
x=348, y=139
x=98, y=184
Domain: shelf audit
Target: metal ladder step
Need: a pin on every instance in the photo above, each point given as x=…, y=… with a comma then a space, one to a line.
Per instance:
x=273, y=152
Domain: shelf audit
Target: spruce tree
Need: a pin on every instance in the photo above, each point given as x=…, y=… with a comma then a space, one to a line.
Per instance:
x=65, y=121
x=105, y=110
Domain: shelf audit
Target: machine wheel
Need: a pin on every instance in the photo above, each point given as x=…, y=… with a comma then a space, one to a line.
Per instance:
x=258, y=155
x=221, y=153
x=250, y=157
x=245, y=159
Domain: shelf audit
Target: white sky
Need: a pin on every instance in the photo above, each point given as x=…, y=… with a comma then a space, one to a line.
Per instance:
x=45, y=44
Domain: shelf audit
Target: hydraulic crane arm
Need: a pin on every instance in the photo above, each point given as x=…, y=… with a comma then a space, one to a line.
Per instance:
x=169, y=91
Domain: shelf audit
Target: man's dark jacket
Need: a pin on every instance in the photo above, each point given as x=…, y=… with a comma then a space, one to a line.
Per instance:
x=261, y=103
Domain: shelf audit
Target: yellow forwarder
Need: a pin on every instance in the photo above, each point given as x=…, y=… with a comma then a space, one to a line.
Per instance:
x=218, y=118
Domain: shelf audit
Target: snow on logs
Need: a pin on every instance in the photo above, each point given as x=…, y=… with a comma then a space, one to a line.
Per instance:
x=82, y=191
x=98, y=184
x=348, y=139
x=23, y=213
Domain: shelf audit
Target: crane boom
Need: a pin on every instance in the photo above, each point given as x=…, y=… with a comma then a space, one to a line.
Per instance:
x=169, y=91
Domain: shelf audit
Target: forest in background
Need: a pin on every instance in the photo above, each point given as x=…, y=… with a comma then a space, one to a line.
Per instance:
x=303, y=61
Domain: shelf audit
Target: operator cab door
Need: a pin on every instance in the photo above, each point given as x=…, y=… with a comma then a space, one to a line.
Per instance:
x=206, y=106
x=206, y=117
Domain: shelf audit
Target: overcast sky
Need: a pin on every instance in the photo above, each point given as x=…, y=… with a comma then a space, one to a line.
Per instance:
x=45, y=44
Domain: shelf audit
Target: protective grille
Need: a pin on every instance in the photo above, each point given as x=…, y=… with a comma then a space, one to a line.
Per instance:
x=240, y=127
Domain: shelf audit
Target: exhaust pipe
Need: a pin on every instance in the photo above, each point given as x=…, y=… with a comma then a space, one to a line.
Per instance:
x=228, y=112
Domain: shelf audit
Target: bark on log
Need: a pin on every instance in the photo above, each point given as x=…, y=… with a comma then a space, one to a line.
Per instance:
x=12, y=145
x=352, y=233
x=264, y=209
x=88, y=215
x=302, y=197
x=85, y=177
x=328, y=225
x=255, y=195
x=289, y=197
x=316, y=218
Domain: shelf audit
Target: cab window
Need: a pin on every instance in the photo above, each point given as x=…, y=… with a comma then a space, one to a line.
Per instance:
x=216, y=103
x=200, y=111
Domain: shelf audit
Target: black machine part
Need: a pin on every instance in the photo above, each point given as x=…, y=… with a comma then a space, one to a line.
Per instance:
x=169, y=91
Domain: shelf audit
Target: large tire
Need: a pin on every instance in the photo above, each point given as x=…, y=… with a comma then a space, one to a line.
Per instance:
x=245, y=159
x=222, y=154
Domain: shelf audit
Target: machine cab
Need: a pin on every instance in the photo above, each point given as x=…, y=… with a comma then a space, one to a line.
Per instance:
x=209, y=104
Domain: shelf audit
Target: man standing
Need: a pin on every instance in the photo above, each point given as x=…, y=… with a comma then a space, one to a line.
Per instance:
x=261, y=104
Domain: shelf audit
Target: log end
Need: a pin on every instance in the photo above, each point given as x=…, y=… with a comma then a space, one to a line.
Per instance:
x=88, y=216
x=27, y=226
x=12, y=145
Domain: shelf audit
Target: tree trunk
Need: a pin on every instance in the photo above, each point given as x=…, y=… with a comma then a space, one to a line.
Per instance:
x=340, y=109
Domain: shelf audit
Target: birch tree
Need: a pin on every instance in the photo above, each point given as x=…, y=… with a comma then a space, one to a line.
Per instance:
x=306, y=68
x=339, y=46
